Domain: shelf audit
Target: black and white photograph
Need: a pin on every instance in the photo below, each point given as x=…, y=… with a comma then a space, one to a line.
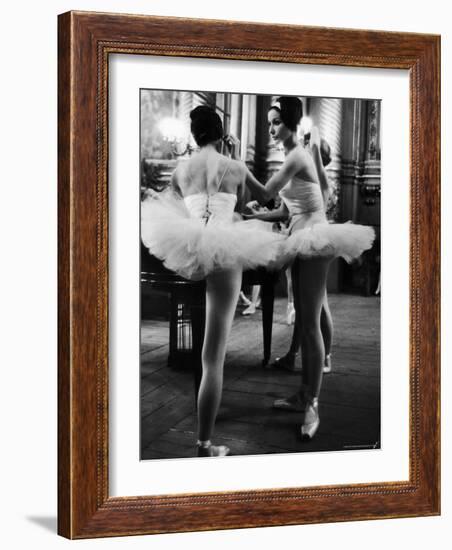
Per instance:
x=260, y=274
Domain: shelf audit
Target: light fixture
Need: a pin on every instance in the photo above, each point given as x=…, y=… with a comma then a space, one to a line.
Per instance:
x=175, y=133
x=306, y=124
x=304, y=130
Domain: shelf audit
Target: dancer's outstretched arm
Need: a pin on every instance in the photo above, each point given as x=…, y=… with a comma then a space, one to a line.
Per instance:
x=264, y=193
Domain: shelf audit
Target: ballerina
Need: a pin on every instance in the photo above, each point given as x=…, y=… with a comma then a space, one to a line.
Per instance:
x=289, y=360
x=312, y=243
x=192, y=229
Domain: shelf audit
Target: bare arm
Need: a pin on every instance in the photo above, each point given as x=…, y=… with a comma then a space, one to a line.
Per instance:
x=321, y=172
x=241, y=201
x=322, y=175
x=264, y=193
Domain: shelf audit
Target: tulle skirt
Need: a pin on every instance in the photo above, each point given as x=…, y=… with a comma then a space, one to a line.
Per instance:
x=194, y=249
x=318, y=238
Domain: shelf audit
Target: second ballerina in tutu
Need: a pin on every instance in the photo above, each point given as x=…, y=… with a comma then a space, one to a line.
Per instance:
x=311, y=244
x=193, y=229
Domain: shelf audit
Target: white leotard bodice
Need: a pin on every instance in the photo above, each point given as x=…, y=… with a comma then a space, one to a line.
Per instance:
x=304, y=202
x=211, y=208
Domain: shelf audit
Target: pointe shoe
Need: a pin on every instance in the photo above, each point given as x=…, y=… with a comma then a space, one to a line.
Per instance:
x=327, y=365
x=287, y=362
x=294, y=403
x=212, y=450
x=311, y=420
x=290, y=314
x=250, y=310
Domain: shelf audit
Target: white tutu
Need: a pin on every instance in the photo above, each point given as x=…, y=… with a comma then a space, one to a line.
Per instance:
x=193, y=248
x=311, y=235
x=330, y=240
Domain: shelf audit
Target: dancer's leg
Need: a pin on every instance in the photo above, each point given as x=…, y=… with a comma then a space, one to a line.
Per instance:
x=288, y=361
x=222, y=290
x=295, y=342
x=251, y=309
x=311, y=276
x=244, y=299
x=289, y=286
x=296, y=334
x=255, y=294
x=290, y=305
x=309, y=283
x=326, y=325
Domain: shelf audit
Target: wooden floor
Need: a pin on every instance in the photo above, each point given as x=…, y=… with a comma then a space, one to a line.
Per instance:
x=349, y=402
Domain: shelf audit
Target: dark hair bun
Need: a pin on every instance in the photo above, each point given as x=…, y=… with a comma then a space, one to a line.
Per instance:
x=206, y=125
x=291, y=111
x=325, y=152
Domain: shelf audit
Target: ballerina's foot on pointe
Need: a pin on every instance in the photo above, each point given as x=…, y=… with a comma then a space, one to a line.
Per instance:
x=205, y=448
x=311, y=420
x=309, y=406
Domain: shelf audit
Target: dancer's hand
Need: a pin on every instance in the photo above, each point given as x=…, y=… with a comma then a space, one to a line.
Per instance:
x=233, y=145
x=252, y=208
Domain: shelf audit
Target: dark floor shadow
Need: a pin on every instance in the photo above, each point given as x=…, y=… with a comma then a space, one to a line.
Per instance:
x=46, y=522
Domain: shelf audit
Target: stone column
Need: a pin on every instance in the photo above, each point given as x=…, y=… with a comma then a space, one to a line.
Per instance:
x=236, y=106
x=370, y=181
x=248, y=130
x=354, y=143
x=327, y=114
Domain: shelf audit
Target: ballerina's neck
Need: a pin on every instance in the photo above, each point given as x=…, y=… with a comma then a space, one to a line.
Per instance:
x=206, y=150
x=290, y=144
